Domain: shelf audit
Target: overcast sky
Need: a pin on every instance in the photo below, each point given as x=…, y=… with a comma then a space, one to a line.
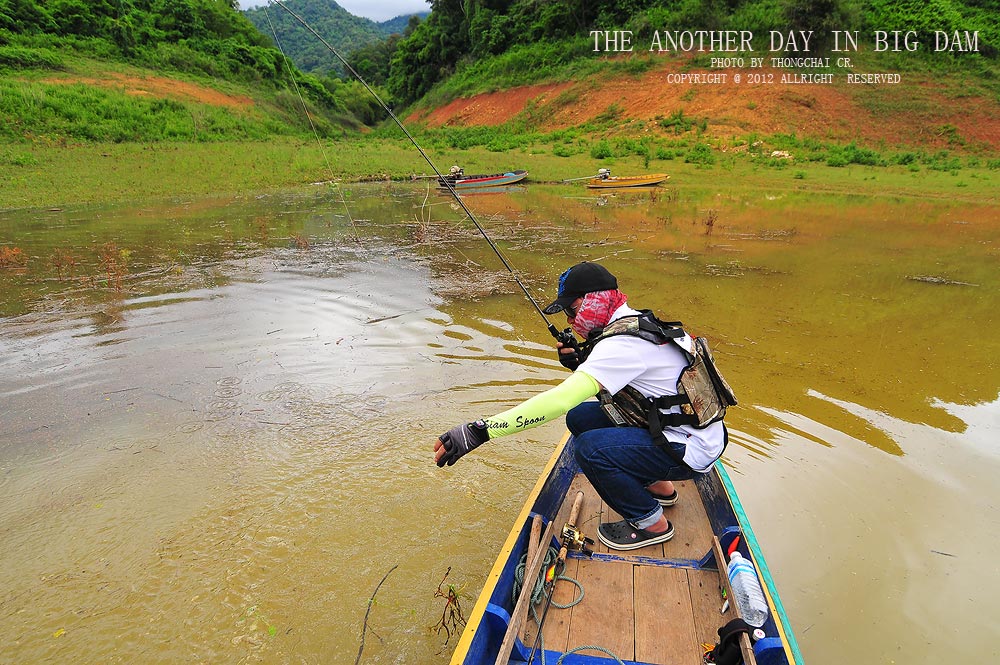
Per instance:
x=376, y=10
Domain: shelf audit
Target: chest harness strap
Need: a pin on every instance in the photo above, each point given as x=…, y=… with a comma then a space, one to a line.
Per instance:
x=702, y=393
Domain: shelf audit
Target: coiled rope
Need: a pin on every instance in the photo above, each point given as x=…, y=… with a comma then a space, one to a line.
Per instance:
x=591, y=647
x=538, y=592
x=538, y=595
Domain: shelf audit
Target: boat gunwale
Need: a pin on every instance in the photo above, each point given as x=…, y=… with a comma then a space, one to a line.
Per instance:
x=521, y=523
x=775, y=606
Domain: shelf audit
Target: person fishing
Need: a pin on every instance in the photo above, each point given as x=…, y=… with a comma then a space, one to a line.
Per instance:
x=670, y=437
x=643, y=433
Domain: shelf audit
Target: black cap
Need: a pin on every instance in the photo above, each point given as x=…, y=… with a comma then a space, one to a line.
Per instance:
x=579, y=280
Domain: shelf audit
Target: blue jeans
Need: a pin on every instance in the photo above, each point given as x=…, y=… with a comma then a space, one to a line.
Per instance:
x=621, y=461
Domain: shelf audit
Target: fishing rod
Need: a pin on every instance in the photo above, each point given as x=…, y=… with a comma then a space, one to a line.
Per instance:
x=571, y=538
x=566, y=337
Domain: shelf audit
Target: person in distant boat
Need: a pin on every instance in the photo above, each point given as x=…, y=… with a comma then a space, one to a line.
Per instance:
x=643, y=432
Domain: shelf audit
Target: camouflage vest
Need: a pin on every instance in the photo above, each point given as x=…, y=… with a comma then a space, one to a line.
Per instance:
x=702, y=393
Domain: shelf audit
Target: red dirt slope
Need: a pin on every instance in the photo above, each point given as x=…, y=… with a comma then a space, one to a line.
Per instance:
x=840, y=111
x=161, y=87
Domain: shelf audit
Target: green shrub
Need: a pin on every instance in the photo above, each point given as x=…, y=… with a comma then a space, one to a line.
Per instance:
x=853, y=154
x=637, y=66
x=17, y=159
x=700, y=153
x=602, y=150
x=561, y=150
x=837, y=160
x=665, y=153
x=943, y=161
x=609, y=115
x=678, y=122
x=502, y=144
x=16, y=57
x=760, y=17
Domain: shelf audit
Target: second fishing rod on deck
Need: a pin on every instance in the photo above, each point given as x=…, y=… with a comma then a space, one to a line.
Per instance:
x=565, y=336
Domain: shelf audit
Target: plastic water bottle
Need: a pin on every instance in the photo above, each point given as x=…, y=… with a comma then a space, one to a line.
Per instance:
x=749, y=597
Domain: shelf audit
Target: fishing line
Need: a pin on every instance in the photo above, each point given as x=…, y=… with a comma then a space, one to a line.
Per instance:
x=305, y=111
x=552, y=329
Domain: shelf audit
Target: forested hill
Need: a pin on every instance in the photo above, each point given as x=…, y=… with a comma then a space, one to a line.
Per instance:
x=209, y=35
x=338, y=27
x=64, y=65
x=494, y=44
x=69, y=70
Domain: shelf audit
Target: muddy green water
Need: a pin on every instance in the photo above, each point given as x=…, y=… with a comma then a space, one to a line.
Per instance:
x=216, y=416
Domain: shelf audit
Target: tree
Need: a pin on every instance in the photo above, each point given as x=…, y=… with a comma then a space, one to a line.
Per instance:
x=820, y=16
x=25, y=16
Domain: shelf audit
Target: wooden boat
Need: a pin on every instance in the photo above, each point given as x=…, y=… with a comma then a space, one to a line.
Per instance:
x=491, y=189
x=660, y=604
x=605, y=179
x=461, y=181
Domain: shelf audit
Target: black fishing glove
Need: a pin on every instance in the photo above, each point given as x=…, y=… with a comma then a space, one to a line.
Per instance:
x=460, y=440
x=568, y=360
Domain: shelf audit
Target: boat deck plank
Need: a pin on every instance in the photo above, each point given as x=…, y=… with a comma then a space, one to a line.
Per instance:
x=607, y=584
x=652, y=604
x=664, y=629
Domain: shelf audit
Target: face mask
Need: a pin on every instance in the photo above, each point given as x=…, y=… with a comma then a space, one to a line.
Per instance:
x=595, y=311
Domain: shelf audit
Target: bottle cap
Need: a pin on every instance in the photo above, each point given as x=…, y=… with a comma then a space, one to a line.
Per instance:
x=735, y=555
x=758, y=634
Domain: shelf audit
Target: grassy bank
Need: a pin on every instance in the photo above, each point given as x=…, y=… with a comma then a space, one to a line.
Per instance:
x=39, y=176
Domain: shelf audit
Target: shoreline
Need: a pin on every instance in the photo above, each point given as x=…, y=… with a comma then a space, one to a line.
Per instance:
x=39, y=176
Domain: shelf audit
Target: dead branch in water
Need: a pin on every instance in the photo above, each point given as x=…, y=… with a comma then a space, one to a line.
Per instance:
x=934, y=279
x=710, y=218
x=371, y=601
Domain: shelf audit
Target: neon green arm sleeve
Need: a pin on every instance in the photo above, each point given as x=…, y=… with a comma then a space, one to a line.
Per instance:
x=544, y=407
